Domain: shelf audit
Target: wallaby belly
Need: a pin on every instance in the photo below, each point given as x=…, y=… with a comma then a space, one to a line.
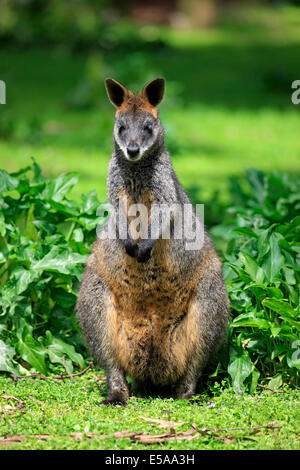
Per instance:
x=151, y=341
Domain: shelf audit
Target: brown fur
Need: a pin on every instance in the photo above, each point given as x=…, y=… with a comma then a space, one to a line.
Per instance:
x=150, y=308
x=146, y=199
x=136, y=320
x=156, y=308
x=136, y=104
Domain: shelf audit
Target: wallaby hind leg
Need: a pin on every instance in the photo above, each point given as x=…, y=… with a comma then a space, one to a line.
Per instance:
x=93, y=314
x=210, y=307
x=118, y=392
x=186, y=387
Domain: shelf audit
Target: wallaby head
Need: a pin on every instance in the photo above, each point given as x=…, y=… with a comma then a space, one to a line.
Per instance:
x=138, y=130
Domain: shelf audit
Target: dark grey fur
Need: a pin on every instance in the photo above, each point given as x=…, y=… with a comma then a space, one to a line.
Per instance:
x=194, y=276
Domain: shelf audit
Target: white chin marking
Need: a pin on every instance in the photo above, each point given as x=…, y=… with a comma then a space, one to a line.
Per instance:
x=130, y=159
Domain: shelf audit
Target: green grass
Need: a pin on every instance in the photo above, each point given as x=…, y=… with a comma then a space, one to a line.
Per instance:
x=71, y=407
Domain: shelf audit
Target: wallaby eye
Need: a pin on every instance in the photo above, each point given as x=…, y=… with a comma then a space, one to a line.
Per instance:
x=149, y=128
x=121, y=128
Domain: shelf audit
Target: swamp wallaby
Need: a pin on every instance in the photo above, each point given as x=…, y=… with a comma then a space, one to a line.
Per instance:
x=150, y=307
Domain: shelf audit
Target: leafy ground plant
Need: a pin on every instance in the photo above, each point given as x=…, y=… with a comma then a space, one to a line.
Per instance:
x=44, y=241
x=261, y=264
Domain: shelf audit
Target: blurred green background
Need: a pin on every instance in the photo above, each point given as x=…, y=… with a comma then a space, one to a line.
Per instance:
x=229, y=67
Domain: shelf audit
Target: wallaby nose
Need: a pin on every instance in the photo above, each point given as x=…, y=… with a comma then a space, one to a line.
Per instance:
x=133, y=151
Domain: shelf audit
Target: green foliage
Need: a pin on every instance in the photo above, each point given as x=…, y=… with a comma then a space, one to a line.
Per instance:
x=261, y=266
x=52, y=21
x=77, y=25
x=44, y=241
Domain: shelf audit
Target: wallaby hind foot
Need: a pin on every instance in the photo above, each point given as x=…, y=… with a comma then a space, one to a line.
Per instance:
x=118, y=391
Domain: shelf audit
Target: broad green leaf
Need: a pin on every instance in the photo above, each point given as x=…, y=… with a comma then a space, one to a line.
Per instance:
x=275, y=330
x=7, y=182
x=254, y=380
x=255, y=272
x=241, y=273
x=263, y=245
x=240, y=367
x=78, y=235
x=274, y=292
x=90, y=203
x=246, y=231
x=259, y=323
x=289, y=275
x=275, y=382
x=23, y=278
x=293, y=294
x=257, y=180
x=6, y=358
x=2, y=224
x=31, y=231
x=57, y=348
x=63, y=209
x=274, y=260
x=90, y=223
x=291, y=227
x=58, y=188
x=59, y=260
x=280, y=306
x=32, y=352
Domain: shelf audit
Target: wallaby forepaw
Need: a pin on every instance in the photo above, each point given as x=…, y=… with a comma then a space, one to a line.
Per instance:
x=131, y=248
x=144, y=254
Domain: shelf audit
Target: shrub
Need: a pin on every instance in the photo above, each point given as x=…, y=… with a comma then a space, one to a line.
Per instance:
x=261, y=267
x=44, y=241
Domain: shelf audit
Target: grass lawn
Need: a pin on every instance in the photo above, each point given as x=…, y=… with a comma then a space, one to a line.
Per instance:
x=65, y=415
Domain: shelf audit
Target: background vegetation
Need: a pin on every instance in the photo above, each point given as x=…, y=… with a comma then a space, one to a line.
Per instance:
x=227, y=111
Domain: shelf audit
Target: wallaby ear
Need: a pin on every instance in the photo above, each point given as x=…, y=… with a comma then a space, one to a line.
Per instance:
x=117, y=93
x=154, y=91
